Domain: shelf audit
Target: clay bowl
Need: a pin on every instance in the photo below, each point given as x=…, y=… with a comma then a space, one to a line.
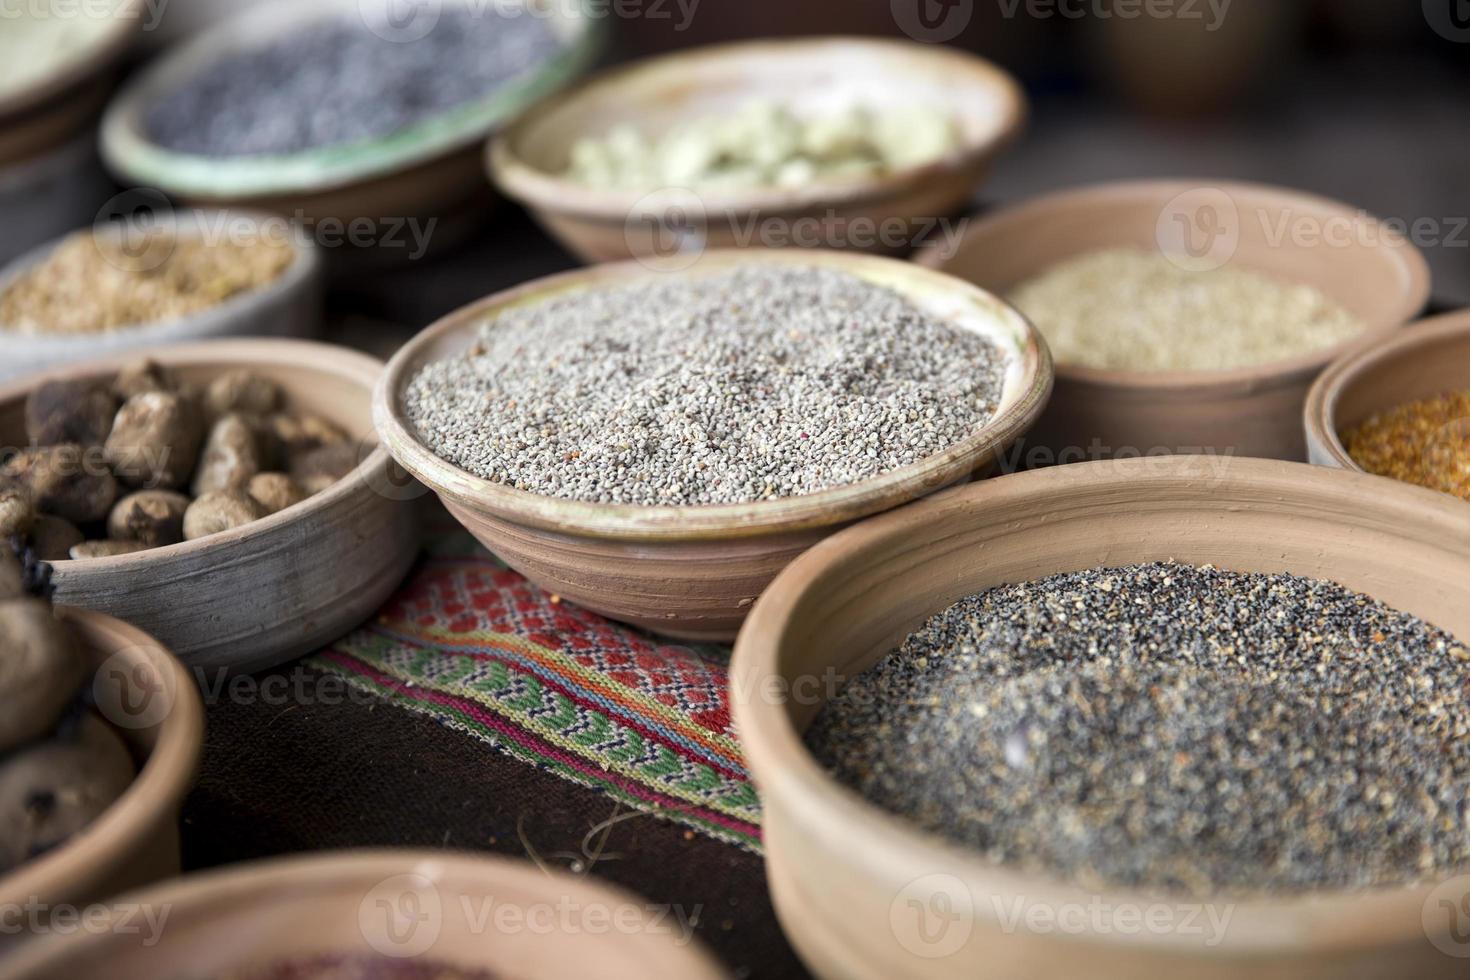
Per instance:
x=400, y=908
x=527, y=161
x=290, y=306
x=693, y=571
x=913, y=905
x=1431, y=359
x=285, y=585
x=150, y=700
x=54, y=107
x=1363, y=266
x=428, y=172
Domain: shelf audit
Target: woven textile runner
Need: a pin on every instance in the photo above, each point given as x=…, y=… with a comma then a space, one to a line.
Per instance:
x=477, y=647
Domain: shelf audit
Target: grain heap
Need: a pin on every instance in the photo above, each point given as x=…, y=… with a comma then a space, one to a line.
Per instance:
x=91, y=283
x=760, y=383
x=337, y=81
x=1172, y=727
x=1425, y=442
x=1131, y=310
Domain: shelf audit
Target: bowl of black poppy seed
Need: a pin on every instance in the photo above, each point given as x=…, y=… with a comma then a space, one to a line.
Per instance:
x=1173, y=717
x=657, y=446
x=341, y=112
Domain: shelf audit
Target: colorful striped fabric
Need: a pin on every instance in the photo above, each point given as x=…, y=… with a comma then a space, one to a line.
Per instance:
x=477, y=647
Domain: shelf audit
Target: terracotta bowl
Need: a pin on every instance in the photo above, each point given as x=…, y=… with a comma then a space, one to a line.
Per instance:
x=290, y=306
x=412, y=908
x=55, y=107
x=528, y=160
x=693, y=571
x=913, y=905
x=430, y=172
x=1363, y=266
x=282, y=586
x=1431, y=359
x=150, y=700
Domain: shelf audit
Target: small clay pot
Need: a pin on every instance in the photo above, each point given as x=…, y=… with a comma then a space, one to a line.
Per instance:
x=1353, y=259
x=865, y=894
x=1431, y=359
x=694, y=571
x=478, y=915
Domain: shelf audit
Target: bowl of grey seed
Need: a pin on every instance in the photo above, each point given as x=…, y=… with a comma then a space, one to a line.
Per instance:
x=656, y=446
x=344, y=113
x=1174, y=717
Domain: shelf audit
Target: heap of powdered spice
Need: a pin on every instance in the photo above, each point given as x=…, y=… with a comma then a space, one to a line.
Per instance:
x=765, y=382
x=1425, y=442
x=1174, y=728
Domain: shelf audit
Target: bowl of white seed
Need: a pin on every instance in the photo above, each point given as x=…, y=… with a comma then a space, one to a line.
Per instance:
x=1181, y=717
x=657, y=446
x=1190, y=315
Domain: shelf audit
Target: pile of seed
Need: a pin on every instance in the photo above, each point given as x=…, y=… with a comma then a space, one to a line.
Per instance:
x=93, y=284
x=755, y=384
x=40, y=38
x=1425, y=442
x=337, y=81
x=1172, y=727
x=1131, y=310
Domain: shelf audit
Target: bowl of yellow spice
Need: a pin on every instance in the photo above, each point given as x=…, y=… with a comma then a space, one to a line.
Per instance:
x=1189, y=316
x=1399, y=408
x=185, y=275
x=820, y=142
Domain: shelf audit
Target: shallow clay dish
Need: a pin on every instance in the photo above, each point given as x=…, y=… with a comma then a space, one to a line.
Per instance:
x=282, y=586
x=56, y=106
x=1371, y=272
x=693, y=571
x=405, y=908
x=529, y=159
x=431, y=170
x=1431, y=359
x=151, y=701
x=289, y=306
x=862, y=893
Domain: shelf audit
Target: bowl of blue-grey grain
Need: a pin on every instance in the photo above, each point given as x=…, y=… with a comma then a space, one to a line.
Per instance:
x=340, y=110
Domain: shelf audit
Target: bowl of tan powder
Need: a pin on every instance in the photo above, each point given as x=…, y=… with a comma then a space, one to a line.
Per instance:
x=1189, y=316
x=176, y=276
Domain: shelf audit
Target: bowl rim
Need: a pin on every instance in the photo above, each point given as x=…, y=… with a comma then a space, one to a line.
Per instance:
x=347, y=364
x=1358, y=362
x=1187, y=384
x=361, y=869
x=304, y=270
x=556, y=193
x=131, y=153
x=105, y=52
x=784, y=770
x=698, y=522
x=159, y=786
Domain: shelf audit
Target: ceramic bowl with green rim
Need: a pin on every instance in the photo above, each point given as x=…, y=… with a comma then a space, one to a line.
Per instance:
x=428, y=168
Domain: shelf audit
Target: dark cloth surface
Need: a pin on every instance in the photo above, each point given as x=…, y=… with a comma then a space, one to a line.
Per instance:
x=337, y=770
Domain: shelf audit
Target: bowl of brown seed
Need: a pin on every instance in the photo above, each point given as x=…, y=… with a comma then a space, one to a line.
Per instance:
x=100, y=744
x=1182, y=717
x=836, y=142
x=170, y=278
x=656, y=447
x=1399, y=408
x=382, y=915
x=229, y=497
x=1188, y=315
